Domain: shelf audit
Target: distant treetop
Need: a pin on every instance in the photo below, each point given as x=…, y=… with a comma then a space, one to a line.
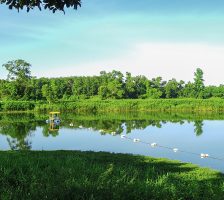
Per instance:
x=53, y=5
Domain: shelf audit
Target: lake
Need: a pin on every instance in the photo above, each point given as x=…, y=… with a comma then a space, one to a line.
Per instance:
x=177, y=136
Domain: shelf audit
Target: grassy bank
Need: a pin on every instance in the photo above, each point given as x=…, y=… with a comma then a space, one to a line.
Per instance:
x=88, y=175
x=90, y=105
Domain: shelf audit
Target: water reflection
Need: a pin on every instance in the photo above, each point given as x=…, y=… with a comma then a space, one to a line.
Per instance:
x=200, y=133
x=19, y=127
x=52, y=131
x=54, y=121
x=198, y=127
x=18, y=134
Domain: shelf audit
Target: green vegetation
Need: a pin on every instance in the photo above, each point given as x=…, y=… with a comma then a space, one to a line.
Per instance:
x=184, y=105
x=88, y=175
x=108, y=92
x=53, y=5
x=20, y=85
x=94, y=105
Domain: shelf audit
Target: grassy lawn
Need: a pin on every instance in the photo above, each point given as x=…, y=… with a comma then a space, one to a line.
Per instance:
x=89, y=175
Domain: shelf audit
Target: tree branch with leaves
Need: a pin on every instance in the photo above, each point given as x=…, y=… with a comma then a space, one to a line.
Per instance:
x=53, y=5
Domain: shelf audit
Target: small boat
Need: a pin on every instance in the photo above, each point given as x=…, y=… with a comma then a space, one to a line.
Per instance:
x=54, y=121
x=153, y=145
x=54, y=116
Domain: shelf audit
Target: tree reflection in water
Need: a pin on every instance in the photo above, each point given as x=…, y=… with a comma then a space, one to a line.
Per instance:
x=46, y=132
x=198, y=127
x=18, y=134
x=19, y=128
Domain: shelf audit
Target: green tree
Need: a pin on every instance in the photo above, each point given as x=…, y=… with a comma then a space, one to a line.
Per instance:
x=188, y=90
x=140, y=85
x=130, y=86
x=115, y=90
x=214, y=91
x=77, y=86
x=47, y=93
x=198, y=83
x=171, y=89
x=155, y=88
x=18, y=70
x=58, y=88
x=113, y=85
x=69, y=84
x=103, y=92
x=8, y=90
x=153, y=93
x=181, y=86
x=19, y=75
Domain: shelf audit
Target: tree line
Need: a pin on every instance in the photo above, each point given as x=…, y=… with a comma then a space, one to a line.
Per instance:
x=20, y=85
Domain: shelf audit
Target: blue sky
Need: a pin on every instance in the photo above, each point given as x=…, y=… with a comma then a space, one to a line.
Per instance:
x=168, y=38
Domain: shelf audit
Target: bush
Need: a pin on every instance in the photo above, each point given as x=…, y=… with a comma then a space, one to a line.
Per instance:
x=17, y=105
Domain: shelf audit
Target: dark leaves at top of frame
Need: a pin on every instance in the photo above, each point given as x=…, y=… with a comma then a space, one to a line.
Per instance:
x=53, y=5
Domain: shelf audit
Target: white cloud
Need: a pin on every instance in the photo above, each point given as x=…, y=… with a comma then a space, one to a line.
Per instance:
x=177, y=60
x=169, y=60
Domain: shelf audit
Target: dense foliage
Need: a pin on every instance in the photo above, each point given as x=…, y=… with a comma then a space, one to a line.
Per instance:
x=96, y=106
x=53, y=5
x=20, y=85
x=89, y=175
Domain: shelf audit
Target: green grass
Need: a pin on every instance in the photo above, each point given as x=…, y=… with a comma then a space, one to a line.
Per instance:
x=89, y=175
x=181, y=105
x=92, y=105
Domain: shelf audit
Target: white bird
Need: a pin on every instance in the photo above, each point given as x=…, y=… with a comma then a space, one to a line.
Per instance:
x=204, y=155
x=136, y=140
x=122, y=136
x=113, y=133
x=153, y=145
x=71, y=124
x=175, y=150
x=80, y=126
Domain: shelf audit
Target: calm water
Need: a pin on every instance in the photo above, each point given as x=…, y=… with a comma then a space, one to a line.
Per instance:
x=190, y=133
